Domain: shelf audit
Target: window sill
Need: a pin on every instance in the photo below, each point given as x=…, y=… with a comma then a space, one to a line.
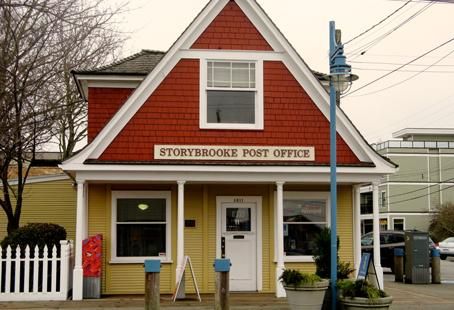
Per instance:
x=136, y=260
x=232, y=126
x=298, y=259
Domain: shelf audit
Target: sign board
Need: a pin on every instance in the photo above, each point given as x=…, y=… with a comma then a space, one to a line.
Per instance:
x=364, y=266
x=367, y=270
x=180, y=287
x=236, y=153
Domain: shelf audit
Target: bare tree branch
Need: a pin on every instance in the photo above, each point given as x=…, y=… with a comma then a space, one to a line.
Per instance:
x=41, y=41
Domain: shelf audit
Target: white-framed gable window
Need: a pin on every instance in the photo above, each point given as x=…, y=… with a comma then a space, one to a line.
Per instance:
x=140, y=226
x=231, y=94
x=305, y=215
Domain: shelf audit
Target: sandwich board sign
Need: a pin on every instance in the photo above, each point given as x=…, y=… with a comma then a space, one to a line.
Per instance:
x=367, y=270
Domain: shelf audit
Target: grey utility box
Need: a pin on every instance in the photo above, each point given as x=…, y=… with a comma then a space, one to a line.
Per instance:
x=417, y=260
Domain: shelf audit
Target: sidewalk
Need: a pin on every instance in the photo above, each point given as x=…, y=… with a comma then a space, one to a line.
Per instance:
x=419, y=296
x=239, y=301
x=406, y=296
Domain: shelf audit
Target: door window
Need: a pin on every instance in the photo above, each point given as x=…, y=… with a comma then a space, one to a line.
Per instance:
x=238, y=219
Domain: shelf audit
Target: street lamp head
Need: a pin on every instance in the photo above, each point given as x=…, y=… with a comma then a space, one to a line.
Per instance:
x=340, y=73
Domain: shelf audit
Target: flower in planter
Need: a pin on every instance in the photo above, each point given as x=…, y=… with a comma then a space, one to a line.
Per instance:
x=295, y=278
x=356, y=294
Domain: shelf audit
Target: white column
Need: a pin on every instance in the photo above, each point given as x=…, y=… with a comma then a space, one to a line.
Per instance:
x=180, y=229
x=357, y=227
x=376, y=222
x=81, y=234
x=280, y=291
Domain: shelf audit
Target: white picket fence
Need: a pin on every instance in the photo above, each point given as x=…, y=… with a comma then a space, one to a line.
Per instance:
x=36, y=277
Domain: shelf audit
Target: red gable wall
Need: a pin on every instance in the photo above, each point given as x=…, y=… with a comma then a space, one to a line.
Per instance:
x=171, y=116
x=103, y=104
x=232, y=30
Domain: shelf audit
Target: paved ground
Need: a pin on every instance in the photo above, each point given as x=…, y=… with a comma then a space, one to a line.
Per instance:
x=406, y=297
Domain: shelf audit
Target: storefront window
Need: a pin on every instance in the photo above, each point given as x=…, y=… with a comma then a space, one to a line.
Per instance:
x=140, y=225
x=305, y=215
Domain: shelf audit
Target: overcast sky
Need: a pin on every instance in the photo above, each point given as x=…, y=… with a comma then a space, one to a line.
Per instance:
x=425, y=100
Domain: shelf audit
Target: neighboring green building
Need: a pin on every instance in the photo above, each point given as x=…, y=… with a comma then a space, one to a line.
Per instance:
x=425, y=179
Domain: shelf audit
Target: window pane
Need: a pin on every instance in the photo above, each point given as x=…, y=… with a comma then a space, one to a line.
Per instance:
x=238, y=219
x=240, y=75
x=141, y=239
x=398, y=224
x=210, y=74
x=141, y=210
x=231, y=107
x=252, y=74
x=222, y=76
x=305, y=210
x=299, y=239
x=231, y=74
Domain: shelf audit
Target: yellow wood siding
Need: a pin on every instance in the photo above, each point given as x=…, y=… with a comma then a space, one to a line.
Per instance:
x=200, y=241
x=345, y=223
x=124, y=278
x=194, y=242
x=47, y=202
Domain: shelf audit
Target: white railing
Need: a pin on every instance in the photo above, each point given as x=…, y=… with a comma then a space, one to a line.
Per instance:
x=25, y=277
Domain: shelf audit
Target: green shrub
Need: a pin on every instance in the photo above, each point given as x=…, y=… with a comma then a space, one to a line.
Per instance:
x=35, y=234
x=296, y=278
x=322, y=257
x=359, y=288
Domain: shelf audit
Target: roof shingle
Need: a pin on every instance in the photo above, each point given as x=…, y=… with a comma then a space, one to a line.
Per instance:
x=140, y=63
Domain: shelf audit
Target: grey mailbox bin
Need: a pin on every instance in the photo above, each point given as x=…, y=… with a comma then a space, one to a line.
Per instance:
x=417, y=259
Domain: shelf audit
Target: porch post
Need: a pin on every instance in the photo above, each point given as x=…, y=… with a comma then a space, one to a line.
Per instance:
x=81, y=234
x=357, y=227
x=376, y=233
x=280, y=292
x=180, y=229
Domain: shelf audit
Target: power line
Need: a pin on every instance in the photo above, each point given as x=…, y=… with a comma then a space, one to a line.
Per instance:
x=422, y=172
x=364, y=48
x=380, y=22
x=422, y=196
x=416, y=115
x=402, y=66
x=407, y=79
x=394, y=63
x=422, y=189
x=410, y=71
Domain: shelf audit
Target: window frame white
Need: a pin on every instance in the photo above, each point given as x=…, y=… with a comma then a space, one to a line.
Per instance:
x=259, y=100
x=115, y=195
x=302, y=195
x=398, y=218
x=383, y=199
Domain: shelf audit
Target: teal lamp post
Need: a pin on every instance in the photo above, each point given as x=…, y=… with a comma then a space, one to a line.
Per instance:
x=339, y=81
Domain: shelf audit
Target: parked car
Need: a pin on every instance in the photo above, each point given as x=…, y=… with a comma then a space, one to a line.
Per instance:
x=446, y=248
x=389, y=240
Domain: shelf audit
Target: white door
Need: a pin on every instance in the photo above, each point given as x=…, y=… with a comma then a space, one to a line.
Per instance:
x=239, y=237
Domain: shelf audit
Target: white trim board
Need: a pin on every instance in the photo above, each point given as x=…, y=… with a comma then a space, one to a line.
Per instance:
x=222, y=177
x=42, y=179
x=419, y=154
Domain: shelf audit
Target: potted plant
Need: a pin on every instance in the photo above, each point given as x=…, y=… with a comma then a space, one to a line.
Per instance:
x=304, y=291
x=360, y=294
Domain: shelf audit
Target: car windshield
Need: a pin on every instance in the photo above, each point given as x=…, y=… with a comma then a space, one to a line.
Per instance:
x=450, y=239
x=367, y=239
